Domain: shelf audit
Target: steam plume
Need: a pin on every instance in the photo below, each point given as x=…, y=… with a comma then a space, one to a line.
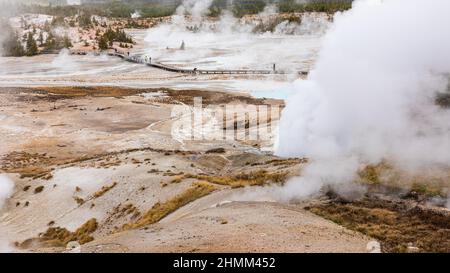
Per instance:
x=241, y=43
x=371, y=96
x=6, y=190
x=197, y=8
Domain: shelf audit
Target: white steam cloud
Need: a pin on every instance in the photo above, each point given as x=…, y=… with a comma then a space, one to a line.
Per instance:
x=136, y=14
x=65, y=62
x=196, y=8
x=232, y=43
x=6, y=190
x=371, y=96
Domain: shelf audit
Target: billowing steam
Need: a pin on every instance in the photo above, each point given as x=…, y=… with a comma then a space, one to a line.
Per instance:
x=6, y=190
x=65, y=62
x=136, y=14
x=196, y=8
x=372, y=95
x=231, y=43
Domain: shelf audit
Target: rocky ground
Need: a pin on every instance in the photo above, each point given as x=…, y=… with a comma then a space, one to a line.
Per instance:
x=101, y=166
x=104, y=160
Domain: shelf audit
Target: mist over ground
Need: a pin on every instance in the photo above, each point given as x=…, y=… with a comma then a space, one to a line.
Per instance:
x=230, y=43
x=6, y=190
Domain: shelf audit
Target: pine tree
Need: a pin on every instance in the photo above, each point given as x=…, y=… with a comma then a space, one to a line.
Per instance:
x=41, y=39
x=102, y=43
x=16, y=47
x=50, y=43
x=84, y=20
x=67, y=43
x=31, y=45
x=47, y=26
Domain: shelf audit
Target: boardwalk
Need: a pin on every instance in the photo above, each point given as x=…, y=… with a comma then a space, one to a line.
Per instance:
x=209, y=71
x=139, y=59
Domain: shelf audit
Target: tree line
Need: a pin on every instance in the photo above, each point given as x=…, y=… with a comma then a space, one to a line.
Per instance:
x=110, y=36
x=160, y=9
x=29, y=43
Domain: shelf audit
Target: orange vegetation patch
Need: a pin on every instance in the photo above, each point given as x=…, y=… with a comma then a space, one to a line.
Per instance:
x=104, y=190
x=27, y=165
x=59, y=237
x=161, y=210
x=81, y=91
x=256, y=178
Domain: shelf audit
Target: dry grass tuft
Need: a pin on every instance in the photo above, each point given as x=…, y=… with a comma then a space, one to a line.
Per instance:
x=59, y=237
x=257, y=178
x=82, y=235
x=177, y=180
x=286, y=162
x=80, y=201
x=104, y=190
x=34, y=173
x=161, y=210
x=28, y=165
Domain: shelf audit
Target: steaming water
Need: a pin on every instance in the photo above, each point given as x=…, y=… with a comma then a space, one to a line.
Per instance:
x=233, y=51
x=231, y=44
x=230, y=49
x=60, y=65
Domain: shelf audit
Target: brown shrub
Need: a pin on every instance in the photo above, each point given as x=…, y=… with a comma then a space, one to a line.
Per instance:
x=80, y=201
x=38, y=189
